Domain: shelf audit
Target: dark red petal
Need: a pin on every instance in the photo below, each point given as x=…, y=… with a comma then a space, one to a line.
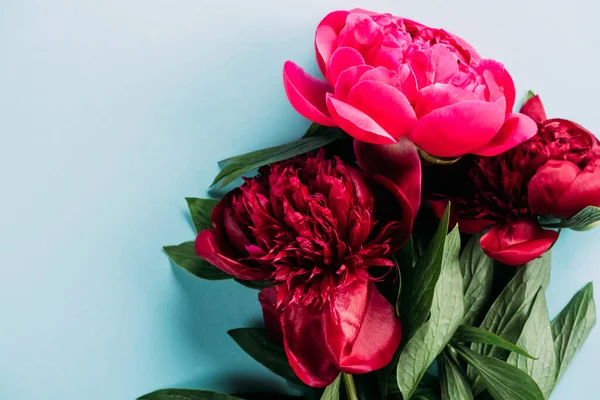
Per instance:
x=268, y=301
x=534, y=109
x=208, y=248
x=361, y=327
x=399, y=162
x=468, y=226
x=305, y=345
x=405, y=215
x=561, y=189
x=517, y=242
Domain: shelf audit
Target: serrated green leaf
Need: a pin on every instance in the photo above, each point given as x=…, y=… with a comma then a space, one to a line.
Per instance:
x=536, y=338
x=201, y=210
x=447, y=310
x=508, y=314
x=186, y=394
x=453, y=382
x=572, y=326
x=332, y=392
x=502, y=380
x=242, y=164
x=420, y=281
x=256, y=342
x=185, y=256
x=584, y=220
x=478, y=273
x=471, y=334
x=529, y=96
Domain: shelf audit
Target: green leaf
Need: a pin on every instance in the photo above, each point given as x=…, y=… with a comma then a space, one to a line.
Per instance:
x=185, y=256
x=573, y=325
x=332, y=392
x=471, y=334
x=529, y=96
x=453, y=382
x=186, y=394
x=447, y=311
x=242, y=164
x=201, y=209
x=478, y=273
x=584, y=220
x=268, y=396
x=256, y=342
x=257, y=285
x=536, y=337
x=420, y=281
x=508, y=314
x=502, y=380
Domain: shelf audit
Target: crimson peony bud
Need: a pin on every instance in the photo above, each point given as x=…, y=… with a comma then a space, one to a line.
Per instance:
x=314, y=226
x=556, y=173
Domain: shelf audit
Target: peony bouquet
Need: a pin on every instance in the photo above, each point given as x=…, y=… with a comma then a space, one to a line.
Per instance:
x=401, y=247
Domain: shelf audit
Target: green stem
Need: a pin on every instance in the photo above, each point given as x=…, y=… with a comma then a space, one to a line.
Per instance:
x=350, y=386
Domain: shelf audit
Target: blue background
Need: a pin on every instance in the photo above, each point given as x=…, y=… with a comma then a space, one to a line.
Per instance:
x=113, y=111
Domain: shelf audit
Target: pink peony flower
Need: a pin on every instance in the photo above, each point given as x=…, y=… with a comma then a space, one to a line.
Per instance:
x=389, y=77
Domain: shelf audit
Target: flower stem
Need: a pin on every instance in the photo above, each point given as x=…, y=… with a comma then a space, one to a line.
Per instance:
x=350, y=387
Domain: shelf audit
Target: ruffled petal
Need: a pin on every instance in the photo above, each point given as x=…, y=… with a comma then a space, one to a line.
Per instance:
x=440, y=95
x=458, y=129
x=517, y=242
x=342, y=59
x=361, y=328
x=348, y=79
x=386, y=105
x=399, y=162
x=207, y=246
x=534, y=109
x=502, y=86
x=305, y=345
x=516, y=129
x=307, y=94
x=326, y=37
x=561, y=189
x=356, y=123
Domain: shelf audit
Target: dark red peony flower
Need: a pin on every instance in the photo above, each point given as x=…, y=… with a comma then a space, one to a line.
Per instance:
x=556, y=173
x=314, y=226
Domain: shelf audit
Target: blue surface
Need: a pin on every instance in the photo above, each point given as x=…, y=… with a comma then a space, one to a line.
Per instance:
x=111, y=112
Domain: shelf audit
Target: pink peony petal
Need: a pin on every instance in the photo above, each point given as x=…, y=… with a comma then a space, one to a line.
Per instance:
x=440, y=95
x=502, y=84
x=534, y=109
x=517, y=242
x=561, y=189
x=458, y=129
x=348, y=79
x=399, y=162
x=356, y=123
x=516, y=129
x=305, y=345
x=307, y=94
x=342, y=59
x=405, y=80
x=361, y=328
x=326, y=37
x=386, y=105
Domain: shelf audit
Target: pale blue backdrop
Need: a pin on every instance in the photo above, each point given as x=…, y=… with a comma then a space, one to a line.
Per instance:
x=113, y=111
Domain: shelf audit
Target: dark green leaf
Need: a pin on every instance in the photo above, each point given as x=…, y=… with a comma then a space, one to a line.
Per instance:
x=453, y=382
x=478, y=273
x=447, y=309
x=256, y=342
x=536, y=337
x=573, y=325
x=529, y=95
x=502, y=380
x=420, y=281
x=268, y=396
x=585, y=219
x=508, y=314
x=201, y=209
x=471, y=334
x=257, y=285
x=185, y=256
x=239, y=165
x=186, y=394
x=332, y=392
